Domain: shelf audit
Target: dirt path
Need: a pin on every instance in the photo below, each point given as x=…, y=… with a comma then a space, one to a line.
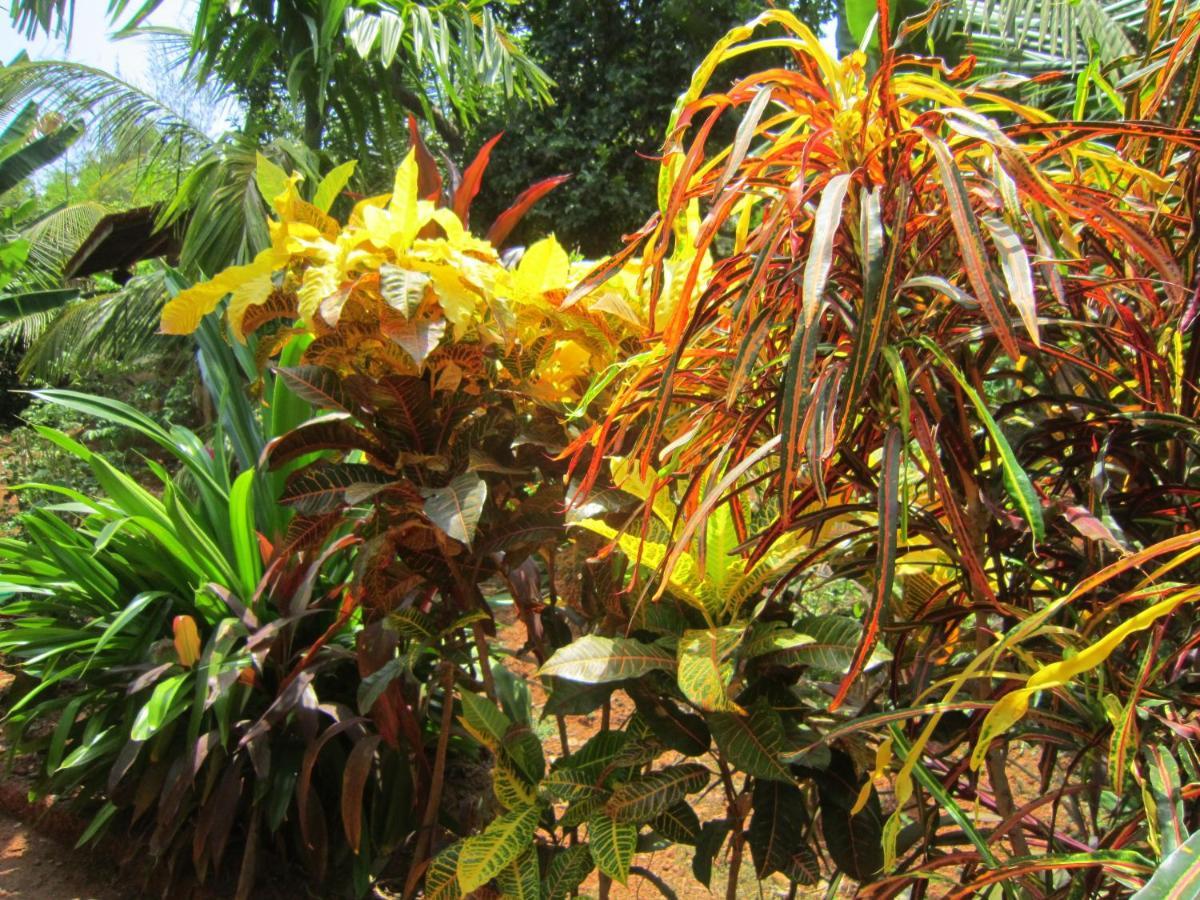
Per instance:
x=36, y=867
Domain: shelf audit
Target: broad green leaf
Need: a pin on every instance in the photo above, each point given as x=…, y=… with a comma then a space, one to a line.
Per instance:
x=679, y=824
x=581, y=810
x=1177, y=876
x=567, y=870
x=752, y=742
x=486, y=723
x=483, y=856
x=441, y=878
x=593, y=659
x=854, y=840
x=522, y=746
x=705, y=667
x=684, y=732
x=569, y=784
x=160, y=709
x=332, y=184
x=712, y=836
x=574, y=698
x=270, y=179
x=601, y=752
x=822, y=642
x=247, y=556
x=613, y=844
x=721, y=566
x=779, y=819
x=521, y=879
x=643, y=798
x=456, y=508
x=371, y=687
x=511, y=788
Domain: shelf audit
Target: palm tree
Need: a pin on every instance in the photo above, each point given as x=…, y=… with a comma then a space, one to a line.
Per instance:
x=1030, y=37
x=358, y=60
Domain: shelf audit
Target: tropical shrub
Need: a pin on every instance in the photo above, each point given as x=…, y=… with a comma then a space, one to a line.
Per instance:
x=190, y=663
x=442, y=375
x=920, y=330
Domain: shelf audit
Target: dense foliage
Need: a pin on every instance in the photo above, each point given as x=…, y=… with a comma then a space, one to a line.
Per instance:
x=618, y=68
x=845, y=516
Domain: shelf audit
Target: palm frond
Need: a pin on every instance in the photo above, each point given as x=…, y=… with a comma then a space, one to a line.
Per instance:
x=54, y=238
x=91, y=333
x=117, y=113
x=58, y=16
x=24, y=330
x=220, y=200
x=39, y=152
x=1032, y=36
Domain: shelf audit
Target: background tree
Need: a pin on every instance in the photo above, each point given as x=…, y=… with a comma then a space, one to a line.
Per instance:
x=618, y=68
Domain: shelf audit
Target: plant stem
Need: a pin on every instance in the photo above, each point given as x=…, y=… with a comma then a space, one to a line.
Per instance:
x=435, y=788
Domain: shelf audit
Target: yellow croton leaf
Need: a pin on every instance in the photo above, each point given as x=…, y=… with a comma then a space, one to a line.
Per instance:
x=1013, y=706
x=560, y=371
x=293, y=209
x=397, y=224
x=248, y=285
x=543, y=269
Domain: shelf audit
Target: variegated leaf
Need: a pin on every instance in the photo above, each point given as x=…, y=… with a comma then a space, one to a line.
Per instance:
x=483, y=856
x=613, y=844
x=705, y=667
x=594, y=659
x=641, y=799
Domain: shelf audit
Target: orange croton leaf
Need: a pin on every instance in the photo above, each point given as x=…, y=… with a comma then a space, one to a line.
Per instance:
x=187, y=640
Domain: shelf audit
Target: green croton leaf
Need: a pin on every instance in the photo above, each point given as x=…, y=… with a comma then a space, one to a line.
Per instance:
x=512, y=789
x=641, y=799
x=1177, y=876
x=613, y=844
x=485, y=722
x=684, y=732
x=456, y=508
x=483, y=856
x=712, y=836
x=441, y=878
x=854, y=840
x=594, y=660
x=752, y=742
x=566, y=871
x=521, y=879
x=679, y=824
x=705, y=667
x=779, y=819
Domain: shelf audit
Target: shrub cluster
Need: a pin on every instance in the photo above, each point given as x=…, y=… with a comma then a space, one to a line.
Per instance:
x=860, y=479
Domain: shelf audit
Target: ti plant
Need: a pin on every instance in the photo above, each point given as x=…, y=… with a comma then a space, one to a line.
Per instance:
x=192, y=676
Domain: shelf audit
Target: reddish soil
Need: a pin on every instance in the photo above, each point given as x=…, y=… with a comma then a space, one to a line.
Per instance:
x=34, y=866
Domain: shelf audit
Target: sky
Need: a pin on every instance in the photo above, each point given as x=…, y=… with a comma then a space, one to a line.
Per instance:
x=91, y=43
